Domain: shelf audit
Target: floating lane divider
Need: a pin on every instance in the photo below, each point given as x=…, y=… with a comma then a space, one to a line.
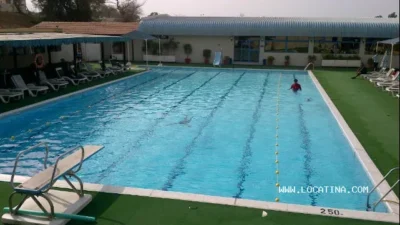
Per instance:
x=277, y=139
x=40, y=129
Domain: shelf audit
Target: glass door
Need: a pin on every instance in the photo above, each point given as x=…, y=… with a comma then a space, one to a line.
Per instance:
x=247, y=49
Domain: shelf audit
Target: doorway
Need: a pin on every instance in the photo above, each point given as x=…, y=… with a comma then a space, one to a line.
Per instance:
x=247, y=49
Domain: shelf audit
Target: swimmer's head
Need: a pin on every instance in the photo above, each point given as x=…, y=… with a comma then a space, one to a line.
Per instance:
x=295, y=80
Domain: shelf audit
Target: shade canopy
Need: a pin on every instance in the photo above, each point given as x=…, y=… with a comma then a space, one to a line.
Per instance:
x=46, y=39
x=138, y=35
x=390, y=41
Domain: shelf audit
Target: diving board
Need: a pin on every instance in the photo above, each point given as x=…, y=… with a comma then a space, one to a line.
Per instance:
x=37, y=193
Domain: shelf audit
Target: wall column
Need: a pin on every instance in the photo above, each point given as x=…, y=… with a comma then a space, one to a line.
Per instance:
x=361, y=52
x=311, y=46
x=261, y=54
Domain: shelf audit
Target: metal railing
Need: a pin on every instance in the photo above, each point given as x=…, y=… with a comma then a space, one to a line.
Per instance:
x=309, y=64
x=374, y=205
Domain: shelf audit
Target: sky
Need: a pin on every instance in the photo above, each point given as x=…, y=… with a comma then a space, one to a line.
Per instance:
x=271, y=8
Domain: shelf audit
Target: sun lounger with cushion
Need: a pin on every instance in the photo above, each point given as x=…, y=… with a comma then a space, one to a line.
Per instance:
x=33, y=90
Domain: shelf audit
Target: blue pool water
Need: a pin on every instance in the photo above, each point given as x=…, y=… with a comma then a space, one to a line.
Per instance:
x=227, y=149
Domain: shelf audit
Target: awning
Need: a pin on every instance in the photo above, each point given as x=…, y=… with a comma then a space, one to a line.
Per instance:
x=390, y=41
x=137, y=35
x=45, y=39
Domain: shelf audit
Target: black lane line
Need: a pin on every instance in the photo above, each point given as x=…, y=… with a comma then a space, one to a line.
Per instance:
x=305, y=145
x=247, y=153
x=45, y=127
x=179, y=167
x=131, y=107
x=150, y=131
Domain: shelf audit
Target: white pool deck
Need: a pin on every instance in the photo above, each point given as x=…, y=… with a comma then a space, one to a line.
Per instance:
x=372, y=171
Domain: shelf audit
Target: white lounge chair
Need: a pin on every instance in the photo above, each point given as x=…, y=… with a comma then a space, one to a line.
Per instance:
x=375, y=73
x=33, y=90
x=53, y=84
x=119, y=65
x=386, y=75
x=390, y=78
x=73, y=81
x=90, y=76
x=89, y=68
x=387, y=84
x=7, y=94
x=115, y=70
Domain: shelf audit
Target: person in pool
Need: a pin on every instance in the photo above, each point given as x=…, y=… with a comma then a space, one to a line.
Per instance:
x=295, y=86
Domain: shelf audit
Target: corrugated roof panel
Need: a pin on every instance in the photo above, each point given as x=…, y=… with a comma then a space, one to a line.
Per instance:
x=270, y=26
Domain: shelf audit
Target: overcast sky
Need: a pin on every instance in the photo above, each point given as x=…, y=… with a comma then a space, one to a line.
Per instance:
x=272, y=8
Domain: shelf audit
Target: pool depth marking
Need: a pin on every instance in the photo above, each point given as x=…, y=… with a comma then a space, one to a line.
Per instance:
x=150, y=131
x=43, y=128
x=247, y=153
x=178, y=168
x=278, y=92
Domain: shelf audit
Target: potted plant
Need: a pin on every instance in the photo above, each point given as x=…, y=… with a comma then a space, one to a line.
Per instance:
x=270, y=60
x=206, y=55
x=188, y=50
x=287, y=58
x=312, y=58
x=227, y=60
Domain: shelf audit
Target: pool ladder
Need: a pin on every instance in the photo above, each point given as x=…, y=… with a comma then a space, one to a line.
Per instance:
x=369, y=208
x=309, y=64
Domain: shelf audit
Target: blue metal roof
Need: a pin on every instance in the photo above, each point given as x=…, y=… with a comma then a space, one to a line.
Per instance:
x=270, y=26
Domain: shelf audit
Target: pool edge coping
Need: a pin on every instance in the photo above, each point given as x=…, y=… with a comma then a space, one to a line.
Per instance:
x=238, y=202
x=369, y=166
x=17, y=110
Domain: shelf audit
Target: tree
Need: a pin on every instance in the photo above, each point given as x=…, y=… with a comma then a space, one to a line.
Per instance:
x=68, y=10
x=20, y=6
x=130, y=10
x=392, y=15
x=380, y=16
x=154, y=14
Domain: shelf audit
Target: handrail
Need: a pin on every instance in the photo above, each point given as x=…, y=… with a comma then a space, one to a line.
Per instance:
x=22, y=153
x=64, y=154
x=309, y=65
x=377, y=185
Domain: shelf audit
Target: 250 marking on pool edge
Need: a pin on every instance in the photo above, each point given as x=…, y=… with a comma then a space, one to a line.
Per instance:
x=331, y=212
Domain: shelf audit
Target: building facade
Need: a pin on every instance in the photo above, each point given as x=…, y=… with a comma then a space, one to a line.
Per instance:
x=253, y=40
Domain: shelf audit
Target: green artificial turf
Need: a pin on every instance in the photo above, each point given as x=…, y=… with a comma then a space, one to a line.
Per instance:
x=113, y=209
x=372, y=114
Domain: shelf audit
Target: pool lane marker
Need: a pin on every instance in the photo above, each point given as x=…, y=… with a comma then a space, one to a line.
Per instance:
x=40, y=129
x=150, y=131
x=277, y=139
x=46, y=126
x=247, y=152
x=178, y=169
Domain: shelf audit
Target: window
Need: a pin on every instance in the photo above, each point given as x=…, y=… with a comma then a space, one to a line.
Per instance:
x=19, y=51
x=118, y=47
x=297, y=44
x=275, y=44
x=286, y=44
x=335, y=45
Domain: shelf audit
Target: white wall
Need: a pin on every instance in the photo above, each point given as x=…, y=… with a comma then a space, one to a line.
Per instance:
x=91, y=52
x=67, y=53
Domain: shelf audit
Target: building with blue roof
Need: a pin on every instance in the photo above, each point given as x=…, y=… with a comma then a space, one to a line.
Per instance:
x=250, y=40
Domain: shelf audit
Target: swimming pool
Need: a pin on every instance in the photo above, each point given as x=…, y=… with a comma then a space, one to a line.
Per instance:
x=236, y=122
